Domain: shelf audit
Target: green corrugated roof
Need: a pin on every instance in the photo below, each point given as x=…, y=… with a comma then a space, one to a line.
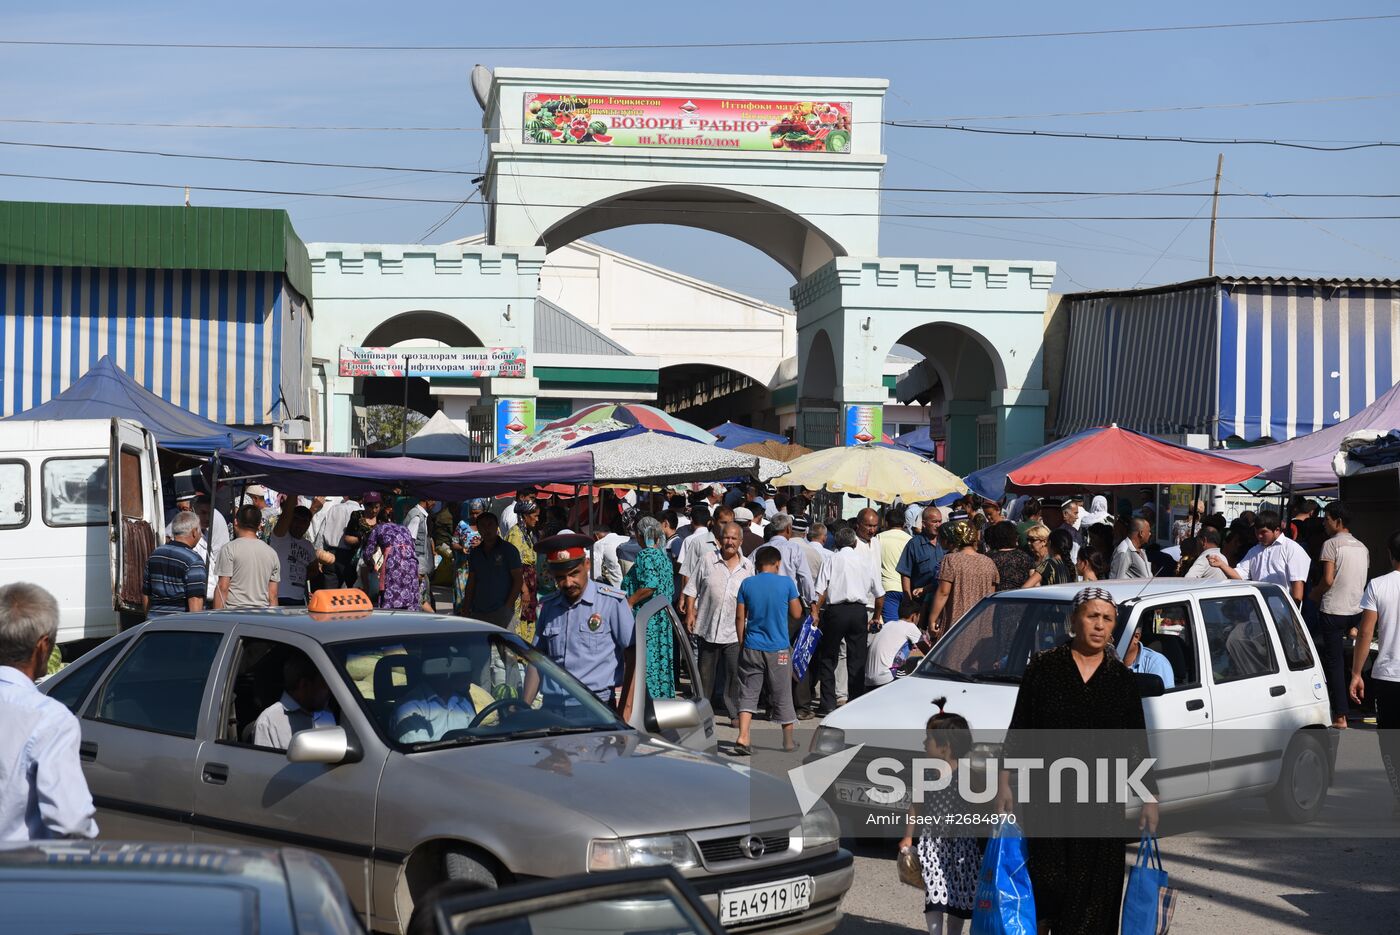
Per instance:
x=40, y=233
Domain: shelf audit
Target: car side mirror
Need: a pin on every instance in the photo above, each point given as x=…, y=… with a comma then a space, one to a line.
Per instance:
x=673, y=714
x=328, y=745
x=1149, y=686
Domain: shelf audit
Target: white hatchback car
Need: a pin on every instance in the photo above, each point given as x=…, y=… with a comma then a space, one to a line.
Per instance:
x=1247, y=712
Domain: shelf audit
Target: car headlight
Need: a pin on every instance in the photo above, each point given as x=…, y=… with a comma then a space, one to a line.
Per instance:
x=821, y=830
x=674, y=850
x=828, y=740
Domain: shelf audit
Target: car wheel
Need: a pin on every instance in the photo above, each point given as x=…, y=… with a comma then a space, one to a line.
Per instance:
x=465, y=868
x=1301, y=791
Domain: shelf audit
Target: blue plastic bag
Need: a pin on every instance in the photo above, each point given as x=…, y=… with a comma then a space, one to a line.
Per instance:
x=804, y=648
x=1004, y=904
x=1149, y=902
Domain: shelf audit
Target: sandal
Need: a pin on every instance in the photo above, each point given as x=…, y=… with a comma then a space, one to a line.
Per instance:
x=742, y=749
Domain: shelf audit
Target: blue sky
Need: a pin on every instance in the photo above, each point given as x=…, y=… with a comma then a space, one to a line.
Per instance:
x=945, y=80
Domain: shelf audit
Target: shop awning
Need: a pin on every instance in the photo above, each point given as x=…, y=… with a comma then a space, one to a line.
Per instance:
x=1106, y=457
x=343, y=476
x=106, y=391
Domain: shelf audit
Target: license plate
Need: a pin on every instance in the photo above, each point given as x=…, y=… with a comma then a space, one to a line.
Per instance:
x=854, y=793
x=766, y=900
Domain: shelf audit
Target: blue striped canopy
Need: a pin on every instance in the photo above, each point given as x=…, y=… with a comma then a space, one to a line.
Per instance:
x=106, y=391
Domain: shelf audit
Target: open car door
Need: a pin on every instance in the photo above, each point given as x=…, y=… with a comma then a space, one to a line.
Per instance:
x=648, y=899
x=134, y=505
x=688, y=719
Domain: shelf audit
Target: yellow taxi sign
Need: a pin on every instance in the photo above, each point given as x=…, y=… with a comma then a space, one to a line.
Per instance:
x=339, y=600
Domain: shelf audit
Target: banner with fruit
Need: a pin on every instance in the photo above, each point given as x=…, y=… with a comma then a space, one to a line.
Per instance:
x=688, y=123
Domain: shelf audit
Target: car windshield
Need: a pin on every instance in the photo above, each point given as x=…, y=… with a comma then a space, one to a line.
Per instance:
x=455, y=689
x=996, y=639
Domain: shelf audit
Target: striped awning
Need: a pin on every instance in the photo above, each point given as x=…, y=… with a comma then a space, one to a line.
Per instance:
x=1298, y=358
x=1142, y=360
x=226, y=344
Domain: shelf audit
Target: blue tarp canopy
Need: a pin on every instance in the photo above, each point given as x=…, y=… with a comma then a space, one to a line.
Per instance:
x=106, y=391
x=731, y=436
x=917, y=441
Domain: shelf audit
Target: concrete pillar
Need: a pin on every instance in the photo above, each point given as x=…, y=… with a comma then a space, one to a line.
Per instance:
x=1020, y=416
x=960, y=430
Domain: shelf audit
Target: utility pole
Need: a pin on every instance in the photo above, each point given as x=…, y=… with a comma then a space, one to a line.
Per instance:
x=403, y=423
x=1214, y=209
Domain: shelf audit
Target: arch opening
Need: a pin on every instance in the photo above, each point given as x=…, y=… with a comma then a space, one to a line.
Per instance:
x=791, y=240
x=422, y=328
x=708, y=395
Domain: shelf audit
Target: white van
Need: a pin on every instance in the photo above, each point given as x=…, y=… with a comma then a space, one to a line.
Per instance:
x=80, y=512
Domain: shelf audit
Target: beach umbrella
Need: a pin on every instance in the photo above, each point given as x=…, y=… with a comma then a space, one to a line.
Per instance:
x=550, y=442
x=641, y=458
x=778, y=451
x=646, y=417
x=882, y=474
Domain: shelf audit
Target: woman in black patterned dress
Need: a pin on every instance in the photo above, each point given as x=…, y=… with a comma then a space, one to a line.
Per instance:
x=1082, y=693
x=950, y=856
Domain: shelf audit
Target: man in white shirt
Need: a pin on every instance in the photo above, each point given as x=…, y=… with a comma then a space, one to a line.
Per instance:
x=294, y=553
x=893, y=644
x=303, y=705
x=794, y=558
x=1380, y=617
x=442, y=702
x=711, y=613
x=1276, y=558
x=814, y=541
x=702, y=543
x=216, y=536
x=43, y=793
x=1344, y=564
x=1129, y=559
x=326, y=536
x=849, y=592
x=1209, y=540
x=606, y=566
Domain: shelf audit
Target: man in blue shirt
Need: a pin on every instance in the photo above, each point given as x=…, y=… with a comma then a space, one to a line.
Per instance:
x=766, y=602
x=918, y=566
x=494, y=575
x=175, y=575
x=1148, y=661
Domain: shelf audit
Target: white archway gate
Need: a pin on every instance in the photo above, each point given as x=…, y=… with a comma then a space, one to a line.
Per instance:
x=791, y=166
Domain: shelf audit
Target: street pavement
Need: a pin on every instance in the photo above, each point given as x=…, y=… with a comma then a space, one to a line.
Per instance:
x=1236, y=869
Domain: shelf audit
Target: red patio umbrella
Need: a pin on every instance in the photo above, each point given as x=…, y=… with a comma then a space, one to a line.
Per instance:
x=1113, y=457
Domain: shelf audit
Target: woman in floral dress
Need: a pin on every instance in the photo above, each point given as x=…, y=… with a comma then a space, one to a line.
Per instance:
x=649, y=576
x=523, y=536
x=391, y=547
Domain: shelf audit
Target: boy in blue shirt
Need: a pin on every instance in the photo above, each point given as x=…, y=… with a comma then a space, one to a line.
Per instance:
x=766, y=602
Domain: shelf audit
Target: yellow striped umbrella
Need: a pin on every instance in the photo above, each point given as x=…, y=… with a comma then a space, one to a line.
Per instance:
x=882, y=474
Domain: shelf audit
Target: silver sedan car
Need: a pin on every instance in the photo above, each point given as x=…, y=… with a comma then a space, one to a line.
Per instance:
x=413, y=756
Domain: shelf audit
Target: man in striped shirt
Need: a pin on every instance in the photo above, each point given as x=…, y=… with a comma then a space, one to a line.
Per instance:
x=175, y=574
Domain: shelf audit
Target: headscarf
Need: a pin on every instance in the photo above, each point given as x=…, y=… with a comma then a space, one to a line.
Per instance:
x=1091, y=594
x=958, y=534
x=1098, y=513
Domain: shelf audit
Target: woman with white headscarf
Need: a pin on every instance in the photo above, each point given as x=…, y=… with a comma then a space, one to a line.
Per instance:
x=1098, y=513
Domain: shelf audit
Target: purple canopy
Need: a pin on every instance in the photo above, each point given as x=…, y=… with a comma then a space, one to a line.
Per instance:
x=1306, y=461
x=334, y=475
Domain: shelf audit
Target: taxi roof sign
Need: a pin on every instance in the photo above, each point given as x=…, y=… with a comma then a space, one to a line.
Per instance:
x=339, y=600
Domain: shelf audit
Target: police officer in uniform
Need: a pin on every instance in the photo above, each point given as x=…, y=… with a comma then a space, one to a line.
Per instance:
x=585, y=627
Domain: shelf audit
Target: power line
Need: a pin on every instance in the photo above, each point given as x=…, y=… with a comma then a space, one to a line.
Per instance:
x=664, y=209
x=795, y=43
x=231, y=126
x=1121, y=137
x=893, y=189
x=1176, y=108
x=255, y=159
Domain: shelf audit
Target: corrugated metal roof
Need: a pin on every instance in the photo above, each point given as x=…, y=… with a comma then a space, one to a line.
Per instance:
x=558, y=332
x=1300, y=282
x=35, y=233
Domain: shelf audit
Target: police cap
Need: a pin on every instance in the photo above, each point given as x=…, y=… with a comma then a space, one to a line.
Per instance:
x=565, y=551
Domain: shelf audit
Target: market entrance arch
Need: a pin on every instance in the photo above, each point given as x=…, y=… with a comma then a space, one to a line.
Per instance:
x=791, y=166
